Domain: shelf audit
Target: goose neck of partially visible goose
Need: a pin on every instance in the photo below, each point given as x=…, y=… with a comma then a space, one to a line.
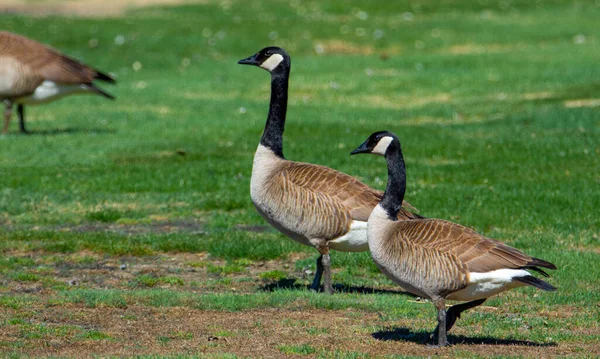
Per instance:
x=396, y=185
x=273, y=134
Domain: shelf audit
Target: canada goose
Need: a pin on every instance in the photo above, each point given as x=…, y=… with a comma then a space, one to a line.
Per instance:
x=435, y=258
x=31, y=73
x=314, y=205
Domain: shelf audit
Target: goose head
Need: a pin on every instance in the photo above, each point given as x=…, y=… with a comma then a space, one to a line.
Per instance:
x=273, y=59
x=379, y=143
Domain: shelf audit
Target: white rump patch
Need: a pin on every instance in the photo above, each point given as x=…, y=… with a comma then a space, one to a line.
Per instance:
x=50, y=91
x=487, y=284
x=382, y=145
x=272, y=62
x=353, y=241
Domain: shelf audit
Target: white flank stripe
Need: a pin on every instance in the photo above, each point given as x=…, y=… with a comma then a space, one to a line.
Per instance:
x=500, y=275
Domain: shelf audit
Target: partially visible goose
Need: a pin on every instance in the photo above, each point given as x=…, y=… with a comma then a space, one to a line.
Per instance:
x=314, y=205
x=435, y=258
x=31, y=73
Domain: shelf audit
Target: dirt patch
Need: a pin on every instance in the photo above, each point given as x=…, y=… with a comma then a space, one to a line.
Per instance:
x=588, y=249
x=343, y=47
x=156, y=227
x=340, y=47
x=475, y=49
x=271, y=333
x=85, y=8
x=457, y=119
x=537, y=96
x=403, y=102
x=192, y=272
x=590, y=102
x=47, y=328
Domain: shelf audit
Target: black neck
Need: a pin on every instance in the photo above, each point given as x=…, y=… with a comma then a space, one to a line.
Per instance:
x=396, y=186
x=273, y=134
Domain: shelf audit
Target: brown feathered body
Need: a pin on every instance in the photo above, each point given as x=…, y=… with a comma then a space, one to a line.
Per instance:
x=435, y=258
x=27, y=65
x=312, y=204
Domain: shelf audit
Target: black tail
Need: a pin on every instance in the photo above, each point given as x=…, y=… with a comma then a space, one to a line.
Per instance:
x=535, y=282
x=536, y=262
x=100, y=91
x=540, y=271
x=104, y=77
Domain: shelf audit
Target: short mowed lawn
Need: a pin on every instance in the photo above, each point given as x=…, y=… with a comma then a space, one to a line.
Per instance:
x=127, y=228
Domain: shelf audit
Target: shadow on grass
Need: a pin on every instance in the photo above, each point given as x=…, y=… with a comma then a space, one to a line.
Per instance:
x=69, y=130
x=285, y=283
x=423, y=337
x=290, y=284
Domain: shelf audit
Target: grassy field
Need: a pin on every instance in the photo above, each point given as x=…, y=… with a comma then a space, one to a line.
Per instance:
x=127, y=228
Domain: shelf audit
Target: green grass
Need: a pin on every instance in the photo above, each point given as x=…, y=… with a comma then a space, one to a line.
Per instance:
x=303, y=349
x=273, y=275
x=496, y=104
x=149, y=280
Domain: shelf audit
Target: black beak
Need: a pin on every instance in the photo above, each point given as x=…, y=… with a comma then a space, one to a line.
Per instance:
x=250, y=60
x=363, y=148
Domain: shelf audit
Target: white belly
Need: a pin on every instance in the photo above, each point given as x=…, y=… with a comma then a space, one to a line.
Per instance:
x=484, y=285
x=49, y=91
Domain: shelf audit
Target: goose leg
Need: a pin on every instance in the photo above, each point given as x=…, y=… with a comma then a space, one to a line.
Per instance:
x=326, y=262
x=455, y=310
x=21, y=112
x=7, y=114
x=317, y=280
x=440, y=331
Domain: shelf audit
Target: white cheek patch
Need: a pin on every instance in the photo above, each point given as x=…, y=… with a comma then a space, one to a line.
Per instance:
x=382, y=145
x=272, y=62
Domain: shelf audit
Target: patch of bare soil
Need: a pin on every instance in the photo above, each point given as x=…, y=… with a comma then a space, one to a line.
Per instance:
x=270, y=333
x=155, y=227
x=475, y=49
x=86, y=8
x=194, y=272
x=589, y=102
x=257, y=333
x=403, y=102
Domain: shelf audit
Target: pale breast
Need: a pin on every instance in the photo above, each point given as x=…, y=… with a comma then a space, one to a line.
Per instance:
x=299, y=212
x=16, y=80
x=419, y=270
